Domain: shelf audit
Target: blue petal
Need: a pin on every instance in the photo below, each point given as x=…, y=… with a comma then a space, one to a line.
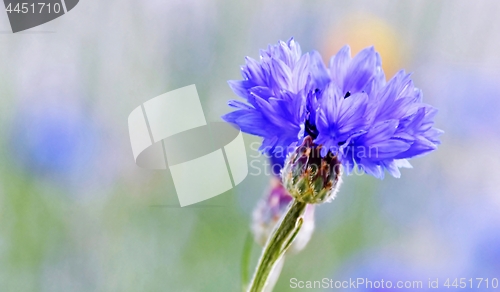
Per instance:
x=238, y=104
x=253, y=71
x=361, y=70
x=319, y=72
x=300, y=74
x=339, y=65
x=282, y=74
x=239, y=87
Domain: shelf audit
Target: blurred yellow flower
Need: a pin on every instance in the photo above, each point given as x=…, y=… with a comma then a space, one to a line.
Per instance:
x=363, y=30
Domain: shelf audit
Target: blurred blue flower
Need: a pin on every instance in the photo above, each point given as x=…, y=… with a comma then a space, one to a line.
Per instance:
x=470, y=97
x=55, y=141
x=348, y=109
x=383, y=272
x=486, y=253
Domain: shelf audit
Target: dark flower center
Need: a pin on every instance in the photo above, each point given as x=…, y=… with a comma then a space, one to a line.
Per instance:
x=311, y=129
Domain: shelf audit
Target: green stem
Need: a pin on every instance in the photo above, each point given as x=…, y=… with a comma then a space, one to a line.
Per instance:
x=245, y=260
x=281, y=239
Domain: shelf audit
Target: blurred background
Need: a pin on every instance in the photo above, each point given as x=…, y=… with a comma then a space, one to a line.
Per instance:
x=77, y=214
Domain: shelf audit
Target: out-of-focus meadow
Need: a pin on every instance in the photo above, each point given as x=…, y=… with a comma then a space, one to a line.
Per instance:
x=77, y=214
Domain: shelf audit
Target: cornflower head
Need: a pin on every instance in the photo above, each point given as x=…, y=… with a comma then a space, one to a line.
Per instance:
x=349, y=109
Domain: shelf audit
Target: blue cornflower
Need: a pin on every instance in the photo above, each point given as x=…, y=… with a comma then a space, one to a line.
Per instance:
x=348, y=109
